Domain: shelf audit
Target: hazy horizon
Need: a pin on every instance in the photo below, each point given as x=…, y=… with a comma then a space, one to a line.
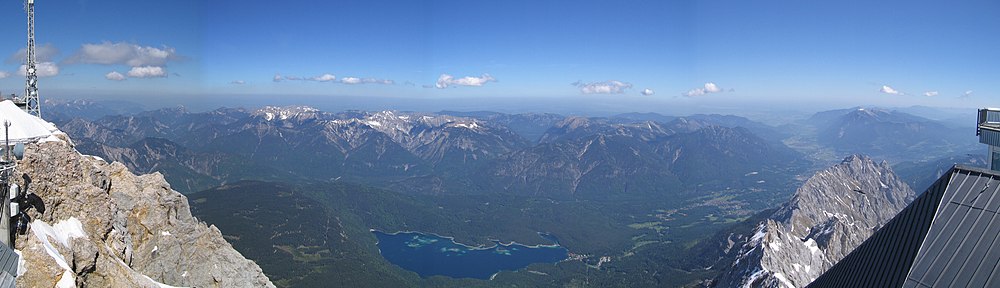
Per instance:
x=429, y=195
x=586, y=57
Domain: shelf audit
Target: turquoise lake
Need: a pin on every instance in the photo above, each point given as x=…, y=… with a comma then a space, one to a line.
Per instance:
x=429, y=255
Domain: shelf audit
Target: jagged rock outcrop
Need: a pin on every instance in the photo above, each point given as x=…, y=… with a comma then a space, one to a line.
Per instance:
x=833, y=212
x=111, y=228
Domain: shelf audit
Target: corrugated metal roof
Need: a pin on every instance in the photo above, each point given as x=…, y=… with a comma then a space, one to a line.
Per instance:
x=946, y=238
x=8, y=267
x=957, y=242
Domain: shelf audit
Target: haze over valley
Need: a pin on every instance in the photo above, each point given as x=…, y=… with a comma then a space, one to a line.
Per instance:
x=500, y=144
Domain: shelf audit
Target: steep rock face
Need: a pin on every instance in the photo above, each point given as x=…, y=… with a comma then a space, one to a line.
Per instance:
x=833, y=212
x=112, y=228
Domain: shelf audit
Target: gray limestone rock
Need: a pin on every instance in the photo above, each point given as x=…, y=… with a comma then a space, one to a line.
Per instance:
x=830, y=214
x=106, y=227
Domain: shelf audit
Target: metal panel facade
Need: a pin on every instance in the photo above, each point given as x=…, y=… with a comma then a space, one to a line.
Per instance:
x=989, y=137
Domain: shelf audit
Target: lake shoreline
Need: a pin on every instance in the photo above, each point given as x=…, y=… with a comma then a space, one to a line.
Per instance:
x=428, y=254
x=496, y=243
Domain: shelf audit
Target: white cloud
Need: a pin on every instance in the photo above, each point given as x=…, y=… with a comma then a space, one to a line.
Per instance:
x=705, y=89
x=321, y=78
x=966, y=94
x=332, y=78
x=712, y=88
x=238, y=82
x=4, y=74
x=695, y=92
x=647, y=92
x=931, y=93
x=114, y=76
x=147, y=72
x=324, y=78
x=133, y=55
x=356, y=80
x=446, y=81
x=44, y=53
x=889, y=90
x=605, y=87
x=42, y=69
x=350, y=80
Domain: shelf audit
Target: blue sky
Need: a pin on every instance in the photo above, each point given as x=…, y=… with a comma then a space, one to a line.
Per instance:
x=891, y=53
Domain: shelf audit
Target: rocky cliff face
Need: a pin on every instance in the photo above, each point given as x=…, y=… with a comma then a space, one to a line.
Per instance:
x=106, y=227
x=831, y=214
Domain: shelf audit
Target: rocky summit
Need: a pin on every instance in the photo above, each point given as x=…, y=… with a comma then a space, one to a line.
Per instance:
x=833, y=212
x=104, y=226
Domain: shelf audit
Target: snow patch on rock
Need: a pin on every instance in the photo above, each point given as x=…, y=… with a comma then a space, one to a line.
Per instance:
x=67, y=280
x=781, y=277
x=62, y=232
x=158, y=284
x=22, y=266
x=811, y=244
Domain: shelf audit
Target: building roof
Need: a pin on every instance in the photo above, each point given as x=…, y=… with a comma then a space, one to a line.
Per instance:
x=946, y=238
x=24, y=127
x=8, y=267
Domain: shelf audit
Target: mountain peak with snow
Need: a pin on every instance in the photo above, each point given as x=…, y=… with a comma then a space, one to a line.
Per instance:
x=834, y=211
x=271, y=113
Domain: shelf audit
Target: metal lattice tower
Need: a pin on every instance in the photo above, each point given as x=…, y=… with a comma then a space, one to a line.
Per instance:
x=31, y=84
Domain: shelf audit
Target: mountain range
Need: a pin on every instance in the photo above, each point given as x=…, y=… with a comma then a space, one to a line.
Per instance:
x=670, y=201
x=890, y=134
x=429, y=152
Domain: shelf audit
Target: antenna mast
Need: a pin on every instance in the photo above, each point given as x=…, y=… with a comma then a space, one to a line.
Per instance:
x=31, y=84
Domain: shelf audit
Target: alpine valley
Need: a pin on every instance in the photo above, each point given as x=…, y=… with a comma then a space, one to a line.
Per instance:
x=637, y=199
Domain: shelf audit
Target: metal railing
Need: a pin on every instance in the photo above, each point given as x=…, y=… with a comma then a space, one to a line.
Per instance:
x=7, y=167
